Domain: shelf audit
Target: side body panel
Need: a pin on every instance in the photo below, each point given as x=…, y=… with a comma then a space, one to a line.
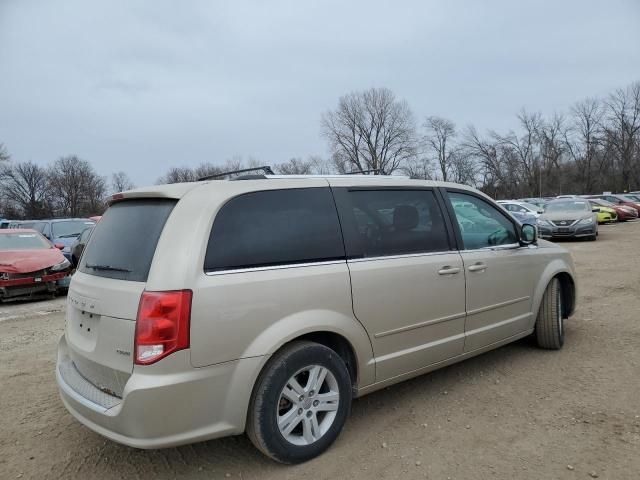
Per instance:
x=414, y=315
x=500, y=284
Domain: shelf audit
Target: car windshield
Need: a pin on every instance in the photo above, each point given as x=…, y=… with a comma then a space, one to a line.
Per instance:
x=23, y=241
x=567, y=205
x=530, y=206
x=69, y=228
x=632, y=198
x=602, y=203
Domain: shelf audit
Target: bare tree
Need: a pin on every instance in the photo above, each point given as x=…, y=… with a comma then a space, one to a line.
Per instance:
x=521, y=151
x=418, y=167
x=178, y=175
x=206, y=170
x=4, y=154
x=76, y=188
x=370, y=130
x=584, y=138
x=25, y=186
x=120, y=182
x=439, y=142
x=295, y=166
x=321, y=165
x=623, y=130
x=552, y=149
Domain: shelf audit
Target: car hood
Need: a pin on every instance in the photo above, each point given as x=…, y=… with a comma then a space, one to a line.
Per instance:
x=565, y=215
x=25, y=261
x=606, y=210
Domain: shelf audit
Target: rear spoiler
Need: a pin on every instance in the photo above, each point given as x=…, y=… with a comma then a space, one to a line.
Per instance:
x=174, y=191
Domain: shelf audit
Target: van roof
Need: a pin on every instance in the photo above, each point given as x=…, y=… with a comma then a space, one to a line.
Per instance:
x=178, y=190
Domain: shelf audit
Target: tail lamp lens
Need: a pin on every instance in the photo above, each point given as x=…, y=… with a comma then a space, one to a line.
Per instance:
x=162, y=326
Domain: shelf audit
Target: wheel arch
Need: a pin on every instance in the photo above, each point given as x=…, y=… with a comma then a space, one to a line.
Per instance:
x=560, y=270
x=568, y=289
x=341, y=333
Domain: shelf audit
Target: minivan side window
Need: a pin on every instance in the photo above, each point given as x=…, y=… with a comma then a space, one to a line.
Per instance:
x=481, y=224
x=275, y=227
x=387, y=222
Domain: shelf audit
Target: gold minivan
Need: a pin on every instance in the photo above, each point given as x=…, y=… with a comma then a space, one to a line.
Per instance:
x=265, y=304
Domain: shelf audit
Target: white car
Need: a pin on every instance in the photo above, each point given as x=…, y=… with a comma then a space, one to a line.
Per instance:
x=521, y=207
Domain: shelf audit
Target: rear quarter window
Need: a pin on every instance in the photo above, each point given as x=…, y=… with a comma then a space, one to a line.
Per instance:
x=123, y=243
x=275, y=227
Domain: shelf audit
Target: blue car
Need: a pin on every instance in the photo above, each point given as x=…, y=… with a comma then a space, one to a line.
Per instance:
x=60, y=231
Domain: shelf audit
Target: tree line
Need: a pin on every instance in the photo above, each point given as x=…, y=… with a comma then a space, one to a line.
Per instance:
x=592, y=147
x=69, y=187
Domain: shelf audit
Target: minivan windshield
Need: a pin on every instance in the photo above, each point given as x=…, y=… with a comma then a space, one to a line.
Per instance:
x=123, y=243
x=69, y=228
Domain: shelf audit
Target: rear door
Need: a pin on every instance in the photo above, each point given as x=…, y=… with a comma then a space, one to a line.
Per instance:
x=500, y=274
x=103, y=298
x=407, y=281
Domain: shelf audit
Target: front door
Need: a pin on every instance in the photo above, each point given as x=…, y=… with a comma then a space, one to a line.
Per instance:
x=499, y=272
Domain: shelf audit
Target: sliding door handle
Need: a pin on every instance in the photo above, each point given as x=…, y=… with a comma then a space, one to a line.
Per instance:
x=478, y=267
x=447, y=270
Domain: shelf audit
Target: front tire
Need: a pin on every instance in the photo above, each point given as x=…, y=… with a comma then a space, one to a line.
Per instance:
x=300, y=402
x=549, y=328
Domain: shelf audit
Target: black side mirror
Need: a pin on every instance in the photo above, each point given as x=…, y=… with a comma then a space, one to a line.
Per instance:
x=595, y=209
x=528, y=235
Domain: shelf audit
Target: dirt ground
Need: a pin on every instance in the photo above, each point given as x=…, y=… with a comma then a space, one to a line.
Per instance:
x=516, y=412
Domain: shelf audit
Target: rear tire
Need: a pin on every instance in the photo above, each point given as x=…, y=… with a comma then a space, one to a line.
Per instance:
x=291, y=417
x=549, y=330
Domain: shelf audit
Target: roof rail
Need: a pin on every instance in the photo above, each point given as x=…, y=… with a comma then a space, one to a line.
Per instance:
x=266, y=169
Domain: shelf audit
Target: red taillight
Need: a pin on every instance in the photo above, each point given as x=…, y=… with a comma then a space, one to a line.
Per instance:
x=162, y=326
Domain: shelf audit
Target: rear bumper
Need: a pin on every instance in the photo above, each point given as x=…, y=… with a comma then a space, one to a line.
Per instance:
x=163, y=405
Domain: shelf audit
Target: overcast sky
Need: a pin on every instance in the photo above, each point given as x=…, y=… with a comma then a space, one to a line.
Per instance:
x=143, y=85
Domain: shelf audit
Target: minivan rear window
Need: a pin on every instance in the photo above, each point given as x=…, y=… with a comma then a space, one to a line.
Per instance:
x=275, y=227
x=124, y=241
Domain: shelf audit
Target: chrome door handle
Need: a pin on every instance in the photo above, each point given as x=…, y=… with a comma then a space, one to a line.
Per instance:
x=478, y=267
x=448, y=270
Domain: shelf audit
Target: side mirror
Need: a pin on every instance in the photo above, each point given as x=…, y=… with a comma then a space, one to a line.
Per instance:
x=59, y=246
x=595, y=209
x=528, y=234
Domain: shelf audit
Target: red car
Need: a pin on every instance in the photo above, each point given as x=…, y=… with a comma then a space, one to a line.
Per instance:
x=619, y=199
x=29, y=265
x=624, y=212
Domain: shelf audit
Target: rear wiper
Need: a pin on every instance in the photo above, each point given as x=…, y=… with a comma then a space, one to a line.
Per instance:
x=108, y=267
x=69, y=235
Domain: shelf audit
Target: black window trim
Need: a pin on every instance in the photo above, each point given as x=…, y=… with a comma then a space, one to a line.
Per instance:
x=342, y=201
x=276, y=265
x=458, y=234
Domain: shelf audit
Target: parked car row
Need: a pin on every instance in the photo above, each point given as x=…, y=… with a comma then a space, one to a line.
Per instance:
x=574, y=216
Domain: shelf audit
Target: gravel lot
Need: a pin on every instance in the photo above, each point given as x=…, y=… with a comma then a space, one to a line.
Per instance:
x=517, y=412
